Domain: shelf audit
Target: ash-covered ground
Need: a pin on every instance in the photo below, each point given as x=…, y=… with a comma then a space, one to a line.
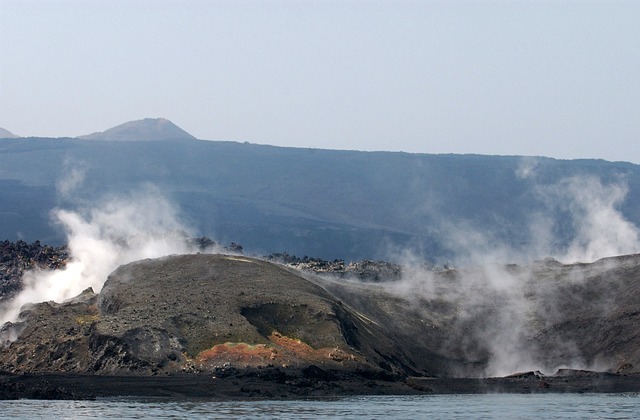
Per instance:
x=236, y=326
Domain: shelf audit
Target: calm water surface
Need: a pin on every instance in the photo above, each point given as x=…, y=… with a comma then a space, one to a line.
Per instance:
x=492, y=406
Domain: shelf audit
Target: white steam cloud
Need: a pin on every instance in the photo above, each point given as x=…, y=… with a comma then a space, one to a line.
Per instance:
x=601, y=230
x=118, y=230
x=515, y=299
x=72, y=179
x=146, y=225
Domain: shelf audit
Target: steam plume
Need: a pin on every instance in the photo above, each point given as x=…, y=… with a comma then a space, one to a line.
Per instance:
x=116, y=231
x=601, y=230
x=503, y=307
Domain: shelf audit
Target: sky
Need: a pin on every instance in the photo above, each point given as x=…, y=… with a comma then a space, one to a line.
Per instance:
x=535, y=78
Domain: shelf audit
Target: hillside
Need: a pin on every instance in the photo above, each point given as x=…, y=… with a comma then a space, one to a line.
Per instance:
x=227, y=316
x=326, y=203
x=148, y=129
x=196, y=312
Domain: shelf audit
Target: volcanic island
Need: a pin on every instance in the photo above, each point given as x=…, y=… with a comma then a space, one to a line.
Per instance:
x=227, y=326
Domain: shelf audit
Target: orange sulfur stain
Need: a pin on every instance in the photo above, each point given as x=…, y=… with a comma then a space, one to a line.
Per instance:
x=239, y=353
x=304, y=351
x=291, y=344
x=283, y=349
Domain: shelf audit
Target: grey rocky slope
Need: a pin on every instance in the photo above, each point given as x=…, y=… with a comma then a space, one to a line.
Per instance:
x=200, y=313
x=501, y=319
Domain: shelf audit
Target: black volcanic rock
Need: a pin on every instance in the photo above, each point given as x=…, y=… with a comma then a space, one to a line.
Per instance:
x=18, y=257
x=148, y=129
x=365, y=270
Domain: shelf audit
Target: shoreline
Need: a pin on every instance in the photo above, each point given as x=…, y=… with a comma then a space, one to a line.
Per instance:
x=270, y=386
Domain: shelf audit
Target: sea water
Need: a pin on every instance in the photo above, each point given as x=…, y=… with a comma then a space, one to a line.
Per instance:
x=487, y=406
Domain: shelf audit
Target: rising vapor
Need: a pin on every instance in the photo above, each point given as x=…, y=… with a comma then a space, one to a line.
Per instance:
x=503, y=307
x=116, y=231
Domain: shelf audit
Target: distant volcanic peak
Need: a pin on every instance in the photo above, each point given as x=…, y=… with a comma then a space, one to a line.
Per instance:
x=6, y=134
x=148, y=129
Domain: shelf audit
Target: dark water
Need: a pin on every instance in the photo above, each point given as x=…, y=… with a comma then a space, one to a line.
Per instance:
x=492, y=406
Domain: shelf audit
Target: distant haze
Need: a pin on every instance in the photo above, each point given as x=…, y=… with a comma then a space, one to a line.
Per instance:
x=551, y=78
x=6, y=134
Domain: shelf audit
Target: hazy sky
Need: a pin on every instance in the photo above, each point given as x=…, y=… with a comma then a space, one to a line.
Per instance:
x=552, y=78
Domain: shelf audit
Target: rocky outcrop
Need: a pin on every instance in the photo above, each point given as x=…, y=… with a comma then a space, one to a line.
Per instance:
x=18, y=257
x=365, y=270
x=198, y=313
x=596, y=314
x=548, y=315
x=239, y=317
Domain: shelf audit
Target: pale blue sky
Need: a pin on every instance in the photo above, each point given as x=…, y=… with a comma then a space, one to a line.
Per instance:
x=552, y=78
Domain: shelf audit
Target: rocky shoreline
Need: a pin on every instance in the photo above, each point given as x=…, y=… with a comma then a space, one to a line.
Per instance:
x=275, y=383
x=249, y=384
x=227, y=326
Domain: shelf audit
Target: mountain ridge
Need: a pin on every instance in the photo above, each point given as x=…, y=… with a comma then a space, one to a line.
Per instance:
x=147, y=129
x=326, y=203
